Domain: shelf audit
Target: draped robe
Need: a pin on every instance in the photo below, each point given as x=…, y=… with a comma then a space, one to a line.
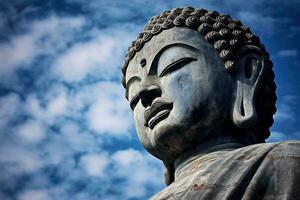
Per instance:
x=231, y=172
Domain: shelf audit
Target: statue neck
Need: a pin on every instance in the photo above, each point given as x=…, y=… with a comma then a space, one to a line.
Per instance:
x=215, y=147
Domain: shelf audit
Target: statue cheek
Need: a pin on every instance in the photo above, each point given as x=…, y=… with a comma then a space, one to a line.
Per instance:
x=178, y=87
x=183, y=81
x=177, y=84
x=141, y=131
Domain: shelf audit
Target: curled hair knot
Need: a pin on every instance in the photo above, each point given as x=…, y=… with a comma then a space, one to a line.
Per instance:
x=156, y=29
x=205, y=28
x=179, y=21
x=227, y=55
x=192, y=22
x=221, y=44
x=138, y=44
x=147, y=36
x=212, y=36
x=167, y=24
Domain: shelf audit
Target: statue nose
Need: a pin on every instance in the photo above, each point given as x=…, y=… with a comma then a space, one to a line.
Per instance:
x=148, y=94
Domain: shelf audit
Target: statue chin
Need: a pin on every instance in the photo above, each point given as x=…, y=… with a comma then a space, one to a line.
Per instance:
x=173, y=137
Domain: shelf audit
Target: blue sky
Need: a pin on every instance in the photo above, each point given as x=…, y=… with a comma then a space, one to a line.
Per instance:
x=65, y=128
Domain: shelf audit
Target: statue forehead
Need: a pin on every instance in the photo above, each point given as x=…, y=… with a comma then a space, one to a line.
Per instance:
x=158, y=42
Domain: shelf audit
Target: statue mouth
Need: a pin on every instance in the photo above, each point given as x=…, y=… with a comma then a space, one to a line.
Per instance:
x=159, y=110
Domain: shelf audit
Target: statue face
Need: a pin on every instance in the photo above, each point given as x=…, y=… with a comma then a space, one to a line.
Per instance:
x=179, y=91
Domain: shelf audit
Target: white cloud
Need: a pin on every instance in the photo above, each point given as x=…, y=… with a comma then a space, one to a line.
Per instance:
x=127, y=158
x=138, y=166
x=105, y=116
x=83, y=58
x=95, y=164
x=34, y=195
x=262, y=24
x=110, y=114
x=102, y=106
x=10, y=108
x=277, y=136
x=285, y=111
x=79, y=139
x=31, y=131
x=42, y=37
x=57, y=105
x=287, y=53
x=122, y=11
x=100, y=56
x=139, y=170
x=48, y=107
x=18, y=160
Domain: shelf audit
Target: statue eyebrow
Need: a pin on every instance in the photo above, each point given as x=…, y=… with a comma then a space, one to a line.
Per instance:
x=130, y=80
x=153, y=66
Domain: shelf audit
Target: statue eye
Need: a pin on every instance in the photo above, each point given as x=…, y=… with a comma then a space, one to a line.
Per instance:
x=177, y=65
x=134, y=101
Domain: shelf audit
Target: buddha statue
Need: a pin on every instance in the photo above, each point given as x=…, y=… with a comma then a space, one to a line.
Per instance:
x=201, y=88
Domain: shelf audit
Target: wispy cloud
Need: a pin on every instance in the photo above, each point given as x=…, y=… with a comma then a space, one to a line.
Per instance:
x=142, y=170
x=263, y=24
x=42, y=37
x=280, y=136
x=34, y=195
x=11, y=107
x=100, y=56
x=287, y=53
x=31, y=131
x=285, y=111
x=16, y=161
x=95, y=164
x=112, y=109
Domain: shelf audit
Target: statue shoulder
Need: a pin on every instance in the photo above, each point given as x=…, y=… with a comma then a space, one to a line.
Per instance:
x=274, y=168
x=286, y=150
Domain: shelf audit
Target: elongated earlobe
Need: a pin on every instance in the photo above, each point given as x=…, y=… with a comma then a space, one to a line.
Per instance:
x=244, y=112
x=250, y=69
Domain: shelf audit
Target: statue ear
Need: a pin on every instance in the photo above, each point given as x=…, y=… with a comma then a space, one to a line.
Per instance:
x=247, y=79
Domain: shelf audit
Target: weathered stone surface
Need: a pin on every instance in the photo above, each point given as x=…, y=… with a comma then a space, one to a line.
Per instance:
x=202, y=91
x=260, y=171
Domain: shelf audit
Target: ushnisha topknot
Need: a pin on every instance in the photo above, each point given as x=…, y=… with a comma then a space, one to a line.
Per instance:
x=227, y=36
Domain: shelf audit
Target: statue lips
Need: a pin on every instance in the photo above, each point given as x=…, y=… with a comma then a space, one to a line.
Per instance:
x=159, y=110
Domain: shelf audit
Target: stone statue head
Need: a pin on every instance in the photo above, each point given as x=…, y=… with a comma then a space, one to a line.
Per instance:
x=193, y=75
